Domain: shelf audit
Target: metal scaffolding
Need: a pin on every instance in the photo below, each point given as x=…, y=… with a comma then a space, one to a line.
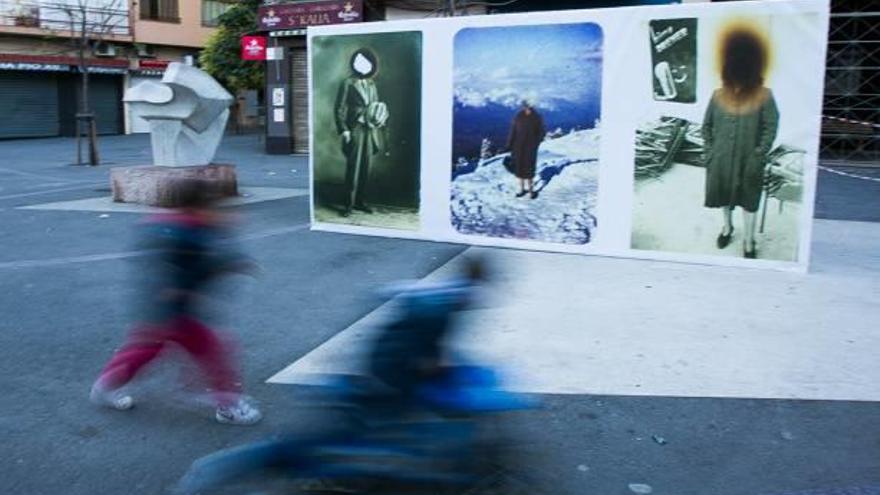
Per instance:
x=851, y=122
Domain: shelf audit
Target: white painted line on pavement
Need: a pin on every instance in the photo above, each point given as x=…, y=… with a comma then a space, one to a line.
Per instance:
x=274, y=232
x=847, y=174
x=42, y=177
x=50, y=191
x=89, y=258
x=69, y=260
x=249, y=195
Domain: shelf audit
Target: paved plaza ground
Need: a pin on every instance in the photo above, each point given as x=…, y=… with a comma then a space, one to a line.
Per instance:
x=758, y=383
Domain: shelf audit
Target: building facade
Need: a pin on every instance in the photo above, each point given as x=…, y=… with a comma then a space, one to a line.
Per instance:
x=125, y=42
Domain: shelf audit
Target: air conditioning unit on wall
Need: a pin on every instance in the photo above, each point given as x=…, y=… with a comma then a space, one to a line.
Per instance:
x=103, y=49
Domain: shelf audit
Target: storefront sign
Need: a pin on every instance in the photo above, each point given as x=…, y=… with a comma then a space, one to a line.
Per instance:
x=153, y=64
x=253, y=48
x=34, y=66
x=303, y=14
x=287, y=32
x=56, y=63
x=106, y=70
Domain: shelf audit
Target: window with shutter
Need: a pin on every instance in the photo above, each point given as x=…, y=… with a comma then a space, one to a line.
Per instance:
x=160, y=10
x=212, y=10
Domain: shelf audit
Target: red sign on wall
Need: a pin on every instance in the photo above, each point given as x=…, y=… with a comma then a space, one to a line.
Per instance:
x=153, y=64
x=253, y=48
x=315, y=13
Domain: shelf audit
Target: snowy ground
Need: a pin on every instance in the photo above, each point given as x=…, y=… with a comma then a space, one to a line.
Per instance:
x=483, y=202
x=668, y=215
x=383, y=217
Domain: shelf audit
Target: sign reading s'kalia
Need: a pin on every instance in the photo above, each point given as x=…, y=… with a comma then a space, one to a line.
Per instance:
x=303, y=14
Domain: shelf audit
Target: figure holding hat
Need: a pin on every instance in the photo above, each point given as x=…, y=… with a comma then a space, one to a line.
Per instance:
x=360, y=120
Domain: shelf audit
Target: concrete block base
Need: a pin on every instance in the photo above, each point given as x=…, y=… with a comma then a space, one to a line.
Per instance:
x=154, y=186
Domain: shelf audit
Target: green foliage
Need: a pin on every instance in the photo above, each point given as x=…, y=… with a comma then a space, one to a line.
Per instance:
x=222, y=54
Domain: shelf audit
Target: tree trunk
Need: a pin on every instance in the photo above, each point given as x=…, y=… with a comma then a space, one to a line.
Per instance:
x=86, y=117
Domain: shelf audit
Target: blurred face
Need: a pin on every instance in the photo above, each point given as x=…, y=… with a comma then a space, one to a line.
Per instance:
x=362, y=65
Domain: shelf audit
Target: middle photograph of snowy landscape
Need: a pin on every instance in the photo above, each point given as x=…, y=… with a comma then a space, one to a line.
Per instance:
x=526, y=129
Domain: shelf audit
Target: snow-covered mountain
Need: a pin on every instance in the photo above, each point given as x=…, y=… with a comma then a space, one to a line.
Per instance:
x=492, y=121
x=484, y=200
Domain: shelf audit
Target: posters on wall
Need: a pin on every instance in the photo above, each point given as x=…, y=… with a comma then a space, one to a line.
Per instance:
x=684, y=132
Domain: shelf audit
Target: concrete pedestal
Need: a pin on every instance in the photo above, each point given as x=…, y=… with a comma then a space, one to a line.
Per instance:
x=154, y=186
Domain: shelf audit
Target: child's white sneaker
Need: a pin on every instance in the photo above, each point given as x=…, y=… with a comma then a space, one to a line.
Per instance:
x=241, y=413
x=110, y=398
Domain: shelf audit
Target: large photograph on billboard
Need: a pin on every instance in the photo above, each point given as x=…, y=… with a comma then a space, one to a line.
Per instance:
x=526, y=129
x=726, y=177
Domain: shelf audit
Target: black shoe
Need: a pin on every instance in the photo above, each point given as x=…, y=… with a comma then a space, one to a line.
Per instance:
x=521, y=193
x=533, y=194
x=346, y=213
x=724, y=239
x=364, y=208
x=750, y=253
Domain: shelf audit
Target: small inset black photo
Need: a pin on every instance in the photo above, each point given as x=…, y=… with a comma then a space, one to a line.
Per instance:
x=674, y=59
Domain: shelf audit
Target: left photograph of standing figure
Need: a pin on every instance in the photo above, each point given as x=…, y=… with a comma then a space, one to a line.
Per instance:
x=360, y=121
x=366, y=125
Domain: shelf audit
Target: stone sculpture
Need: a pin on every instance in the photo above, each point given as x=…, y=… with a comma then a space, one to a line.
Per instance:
x=187, y=113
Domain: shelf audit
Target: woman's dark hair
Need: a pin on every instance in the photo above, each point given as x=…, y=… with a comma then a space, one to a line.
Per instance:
x=744, y=60
x=369, y=55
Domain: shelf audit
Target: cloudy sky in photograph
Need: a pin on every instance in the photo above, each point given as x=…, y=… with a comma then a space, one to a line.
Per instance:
x=553, y=66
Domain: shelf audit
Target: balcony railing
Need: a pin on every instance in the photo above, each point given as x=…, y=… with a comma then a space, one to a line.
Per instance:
x=105, y=17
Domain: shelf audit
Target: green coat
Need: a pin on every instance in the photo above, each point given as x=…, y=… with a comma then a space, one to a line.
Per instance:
x=738, y=137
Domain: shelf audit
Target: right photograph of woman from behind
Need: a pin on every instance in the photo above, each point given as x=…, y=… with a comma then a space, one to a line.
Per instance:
x=739, y=129
x=723, y=174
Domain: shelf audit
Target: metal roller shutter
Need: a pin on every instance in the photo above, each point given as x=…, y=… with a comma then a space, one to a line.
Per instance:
x=300, y=99
x=28, y=104
x=106, y=101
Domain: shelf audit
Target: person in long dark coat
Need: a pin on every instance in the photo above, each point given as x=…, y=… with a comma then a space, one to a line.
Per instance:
x=360, y=119
x=526, y=133
x=739, y=128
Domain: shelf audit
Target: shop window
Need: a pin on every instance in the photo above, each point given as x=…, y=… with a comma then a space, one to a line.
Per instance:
x=212, y=10
x=160, y=10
